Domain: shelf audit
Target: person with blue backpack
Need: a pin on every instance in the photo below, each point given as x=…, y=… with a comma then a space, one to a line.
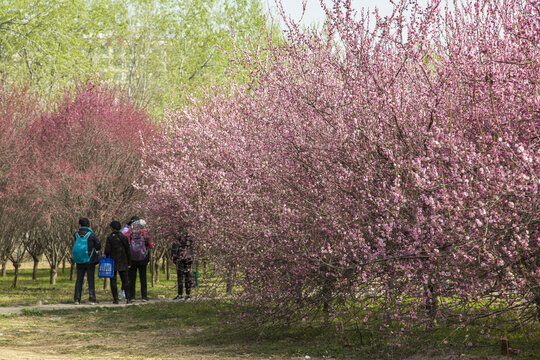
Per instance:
x=85, y=254
x=140, y=245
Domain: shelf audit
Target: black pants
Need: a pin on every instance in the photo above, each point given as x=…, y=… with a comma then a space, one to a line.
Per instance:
x=89, y=270
x=183, y=270
x=133, y=279
x=125, y=283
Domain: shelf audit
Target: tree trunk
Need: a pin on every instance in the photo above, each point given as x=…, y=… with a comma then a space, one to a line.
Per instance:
x=168, y=269
x=4, y=268
x=72, y=271
x=53, y=274
x=64, y=265
x=35, y=268
x=106, y=283
x=431, y=303
x=163, y=262
x=152, y=280
x=156, y=270
x=16, y=275
x=537, y=301
x=229, y=280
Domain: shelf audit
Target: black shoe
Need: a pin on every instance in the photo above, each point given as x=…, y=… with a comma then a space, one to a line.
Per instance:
x=115, y=302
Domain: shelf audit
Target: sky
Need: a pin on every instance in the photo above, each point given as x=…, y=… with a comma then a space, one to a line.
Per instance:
x=314, y=12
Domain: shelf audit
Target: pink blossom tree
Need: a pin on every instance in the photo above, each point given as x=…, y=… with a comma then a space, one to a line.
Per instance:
x=389, y=164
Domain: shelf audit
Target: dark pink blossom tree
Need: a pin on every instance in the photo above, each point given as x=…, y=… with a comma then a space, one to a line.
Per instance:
x=86, y=157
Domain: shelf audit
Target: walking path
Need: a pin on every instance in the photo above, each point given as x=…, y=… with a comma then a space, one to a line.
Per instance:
x=49, y=307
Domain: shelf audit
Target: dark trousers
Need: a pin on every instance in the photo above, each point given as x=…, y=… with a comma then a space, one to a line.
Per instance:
x=89, y=270
x=125, y=283
x=133, y=279
x=183, y=272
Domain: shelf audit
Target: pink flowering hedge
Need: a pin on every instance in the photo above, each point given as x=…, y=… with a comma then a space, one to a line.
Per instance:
x=384, y=166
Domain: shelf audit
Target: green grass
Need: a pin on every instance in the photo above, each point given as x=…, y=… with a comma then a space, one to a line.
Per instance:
x=204, y=327
x=31, y=292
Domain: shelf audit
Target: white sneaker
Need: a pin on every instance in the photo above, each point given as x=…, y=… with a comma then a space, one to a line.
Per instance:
x=178, y=298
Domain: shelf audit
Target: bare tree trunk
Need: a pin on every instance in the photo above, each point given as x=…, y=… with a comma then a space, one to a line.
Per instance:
x=71, y=271
x=35, y=268
x=64, y=265
x=4, y=268
x=163, y=262
x=53, y=274
x=168, y=267
x=229, y=281
x=152, y=280
x=431, y=303
x=16, y=265
x=156, y=270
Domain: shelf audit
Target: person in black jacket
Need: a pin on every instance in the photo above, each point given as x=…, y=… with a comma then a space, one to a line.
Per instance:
x=87, y=268
x=117, y=248
x=182, y=256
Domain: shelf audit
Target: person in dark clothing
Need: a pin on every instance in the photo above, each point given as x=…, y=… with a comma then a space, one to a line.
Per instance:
x=182, y=256
x=87, y=266
x=139, y=260
x=117, y=248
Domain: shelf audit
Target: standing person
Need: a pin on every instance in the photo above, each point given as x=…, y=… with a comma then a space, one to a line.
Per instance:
x=86, y=255
x=140, y=245
x=118, y=249
x=127, y=228
x=182, y=256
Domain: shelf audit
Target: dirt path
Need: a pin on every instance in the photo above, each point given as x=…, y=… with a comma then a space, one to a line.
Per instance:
x=9, y=353
x=49, y=307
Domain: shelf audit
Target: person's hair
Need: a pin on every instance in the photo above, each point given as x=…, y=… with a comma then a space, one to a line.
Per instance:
x=84, y=222
x=139, y=224
x=115, y=225
x=133, y=219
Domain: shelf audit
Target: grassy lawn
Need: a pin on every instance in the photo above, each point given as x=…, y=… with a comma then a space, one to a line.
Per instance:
x=30, y=292
x=203, y=330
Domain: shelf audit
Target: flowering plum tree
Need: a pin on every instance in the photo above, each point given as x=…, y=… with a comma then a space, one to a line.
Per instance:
x=87, y=154
x=79, y=158
x=18, y=108
x=391, y=165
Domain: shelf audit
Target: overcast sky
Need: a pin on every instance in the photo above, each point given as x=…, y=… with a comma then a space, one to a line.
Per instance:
x=314, y=12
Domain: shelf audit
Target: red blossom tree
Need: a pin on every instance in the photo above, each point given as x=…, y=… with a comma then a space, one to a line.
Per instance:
x=87, y=154
x=79, y=158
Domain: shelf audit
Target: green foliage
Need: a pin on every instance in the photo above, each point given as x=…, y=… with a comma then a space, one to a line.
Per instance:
x=157, y=51
x=50, y=44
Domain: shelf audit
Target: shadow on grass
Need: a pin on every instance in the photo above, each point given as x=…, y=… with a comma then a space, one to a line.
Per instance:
x=208, y=327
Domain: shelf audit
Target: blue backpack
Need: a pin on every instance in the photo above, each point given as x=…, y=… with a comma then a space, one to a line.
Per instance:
x=80, y=249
